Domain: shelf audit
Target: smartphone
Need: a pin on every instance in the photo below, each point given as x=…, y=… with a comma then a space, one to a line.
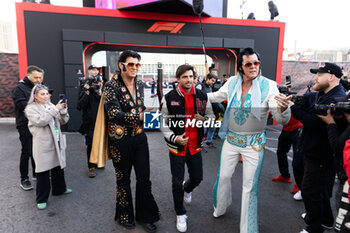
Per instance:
x=288, y=79
x=62, y=97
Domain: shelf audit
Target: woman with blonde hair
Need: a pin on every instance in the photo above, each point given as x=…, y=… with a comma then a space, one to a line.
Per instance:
x=49, y=144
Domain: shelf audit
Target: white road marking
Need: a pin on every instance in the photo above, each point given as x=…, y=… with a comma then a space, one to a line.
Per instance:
x=273, y=139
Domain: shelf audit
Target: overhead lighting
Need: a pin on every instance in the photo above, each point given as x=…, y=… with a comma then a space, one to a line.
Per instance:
x=251, y=16
x=273, y=10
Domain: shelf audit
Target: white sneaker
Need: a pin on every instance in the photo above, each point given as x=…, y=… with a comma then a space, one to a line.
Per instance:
x=181, y=223
x=347, y=225
x=187, y=196
x=303, y=215
x=304, y=231
x=298, y=196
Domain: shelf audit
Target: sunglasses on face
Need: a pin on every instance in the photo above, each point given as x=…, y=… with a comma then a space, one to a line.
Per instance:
x=132, y=64
x=250, y=64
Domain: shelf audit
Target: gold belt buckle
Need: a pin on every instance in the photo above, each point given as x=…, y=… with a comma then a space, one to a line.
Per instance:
x=258, y=139
x=138, y=131
x=119, y=132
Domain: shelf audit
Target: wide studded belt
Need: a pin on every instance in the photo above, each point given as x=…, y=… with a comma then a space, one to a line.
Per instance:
x=118, y=131
x=256, y=141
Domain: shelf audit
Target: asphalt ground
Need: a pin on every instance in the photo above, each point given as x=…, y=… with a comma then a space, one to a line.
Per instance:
x=91, y=206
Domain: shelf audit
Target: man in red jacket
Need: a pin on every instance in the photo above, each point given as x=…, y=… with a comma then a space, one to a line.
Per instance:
x=182, y=108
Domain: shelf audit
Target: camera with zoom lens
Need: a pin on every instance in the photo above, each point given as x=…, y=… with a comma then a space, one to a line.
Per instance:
x=90, y=81
x=337, y=109
x=342, y=105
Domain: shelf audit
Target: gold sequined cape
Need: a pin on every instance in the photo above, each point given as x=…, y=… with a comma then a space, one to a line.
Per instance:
x=99, y=150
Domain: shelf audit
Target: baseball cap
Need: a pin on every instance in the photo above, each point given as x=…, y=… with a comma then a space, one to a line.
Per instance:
x=91, y=67
x=329, y=68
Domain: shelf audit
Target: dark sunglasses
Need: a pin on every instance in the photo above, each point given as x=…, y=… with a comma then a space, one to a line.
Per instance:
x=249, y=64
x=132, y=64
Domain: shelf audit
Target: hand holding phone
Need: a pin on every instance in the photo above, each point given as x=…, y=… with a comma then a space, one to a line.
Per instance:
x=288, y=81
x=62, y=98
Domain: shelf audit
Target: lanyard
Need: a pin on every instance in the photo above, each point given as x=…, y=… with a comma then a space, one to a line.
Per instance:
x=56, y=130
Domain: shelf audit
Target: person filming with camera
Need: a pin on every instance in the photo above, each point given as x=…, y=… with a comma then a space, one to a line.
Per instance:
x=88, y=102
x=337, y=118
x=316, y=149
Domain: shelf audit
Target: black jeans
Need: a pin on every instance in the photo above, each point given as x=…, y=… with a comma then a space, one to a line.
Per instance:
x=89, y=130
x=126, y=153
x=315, y=195
x=285, y=140
x=195, y=171
x=27, y=144
x=43, y=184
x=298, y=168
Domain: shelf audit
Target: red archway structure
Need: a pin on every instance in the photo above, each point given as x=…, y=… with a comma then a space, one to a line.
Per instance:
x=54, y=37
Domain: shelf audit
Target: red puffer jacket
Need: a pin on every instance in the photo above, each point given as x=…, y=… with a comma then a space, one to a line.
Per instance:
x=346, y=157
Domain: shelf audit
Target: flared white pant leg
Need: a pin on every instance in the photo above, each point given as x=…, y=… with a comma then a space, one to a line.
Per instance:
x=252, y=164
x=222, y=189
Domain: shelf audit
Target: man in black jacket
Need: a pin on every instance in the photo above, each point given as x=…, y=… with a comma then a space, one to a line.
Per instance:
x=207, y=87
x=182, y=109
x=315, y=148
x=89, y=100
x=20, y=96
x=338, y=133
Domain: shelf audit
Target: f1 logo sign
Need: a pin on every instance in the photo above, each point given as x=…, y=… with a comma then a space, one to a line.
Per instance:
x=166, y=26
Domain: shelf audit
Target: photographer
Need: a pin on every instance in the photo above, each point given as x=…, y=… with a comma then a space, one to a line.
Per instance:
x=316, y=149
x=89, y=100
x=338, y=128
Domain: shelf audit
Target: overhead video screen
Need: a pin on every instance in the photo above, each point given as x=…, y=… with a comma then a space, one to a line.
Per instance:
x=213, y=8
x=116, y=4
